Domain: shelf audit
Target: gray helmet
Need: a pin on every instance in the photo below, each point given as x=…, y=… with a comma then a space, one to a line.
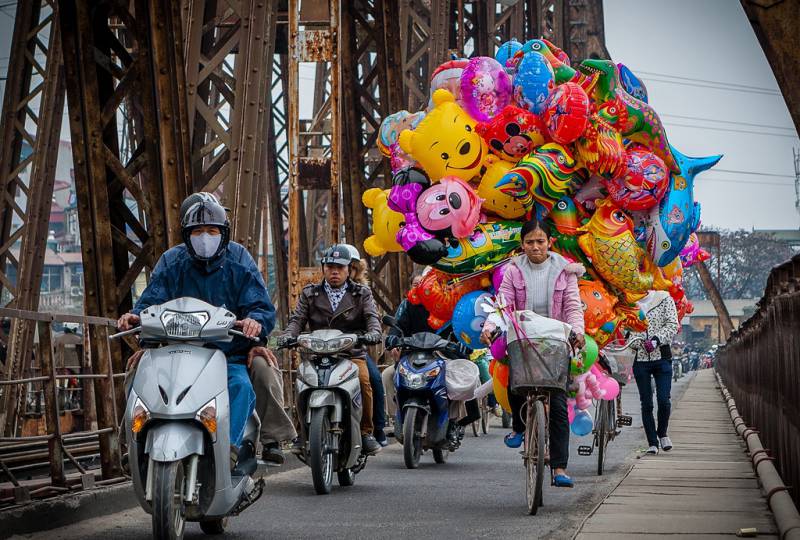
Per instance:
x=203, y=209
x=355, y=256
x=336, y=254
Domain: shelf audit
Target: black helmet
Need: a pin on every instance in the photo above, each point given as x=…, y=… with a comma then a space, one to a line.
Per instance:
x=203, y=209
x=336, y=254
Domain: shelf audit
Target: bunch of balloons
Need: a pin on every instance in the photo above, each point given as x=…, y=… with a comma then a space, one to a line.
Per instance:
x=526, y=134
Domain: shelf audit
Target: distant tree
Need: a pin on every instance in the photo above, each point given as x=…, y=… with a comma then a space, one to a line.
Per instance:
x=746, y=258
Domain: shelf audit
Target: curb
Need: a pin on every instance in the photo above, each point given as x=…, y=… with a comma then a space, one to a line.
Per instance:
x=70, y=509
x=778, y=499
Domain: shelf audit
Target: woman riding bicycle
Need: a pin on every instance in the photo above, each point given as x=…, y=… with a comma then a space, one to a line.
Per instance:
x=542, y=281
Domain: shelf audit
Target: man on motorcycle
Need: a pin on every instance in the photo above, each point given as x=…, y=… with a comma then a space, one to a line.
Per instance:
x=341, y=304
x=209, y=267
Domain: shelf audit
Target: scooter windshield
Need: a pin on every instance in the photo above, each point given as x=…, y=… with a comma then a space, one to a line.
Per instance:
x=425, y=341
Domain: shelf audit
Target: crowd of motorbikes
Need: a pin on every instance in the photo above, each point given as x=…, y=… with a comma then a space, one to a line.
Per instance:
x=177, y=415
x=691, y=360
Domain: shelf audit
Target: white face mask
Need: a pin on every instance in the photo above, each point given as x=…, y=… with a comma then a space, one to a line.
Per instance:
x=206, y=245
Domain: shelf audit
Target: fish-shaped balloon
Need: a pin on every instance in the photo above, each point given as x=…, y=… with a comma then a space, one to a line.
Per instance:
x=608, y=240
x=634, y=118
x=566, y=219
x=543, y=177
x=677, y=216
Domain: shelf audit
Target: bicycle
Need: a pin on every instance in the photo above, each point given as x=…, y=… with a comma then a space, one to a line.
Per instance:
x=536, y=367
x=608, y=414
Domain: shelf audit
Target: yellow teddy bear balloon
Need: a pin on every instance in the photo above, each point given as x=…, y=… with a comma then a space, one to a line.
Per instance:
x=445, y=142
x=385, y=223
x=495, y=201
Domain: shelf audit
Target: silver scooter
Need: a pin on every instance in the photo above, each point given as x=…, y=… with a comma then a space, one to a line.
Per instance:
x=177, y=421
x=329, y=404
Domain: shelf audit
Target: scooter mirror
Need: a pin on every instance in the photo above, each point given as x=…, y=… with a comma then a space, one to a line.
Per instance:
x=390, y=321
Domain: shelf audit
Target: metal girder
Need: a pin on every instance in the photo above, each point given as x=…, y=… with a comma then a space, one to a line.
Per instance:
x=229, y=56
x=424, y=40
x=775, y=23
x=102, y=73
x=576, y=26
x=120, y=53
x=313, y=147
x=32, y=110
x=371, y=90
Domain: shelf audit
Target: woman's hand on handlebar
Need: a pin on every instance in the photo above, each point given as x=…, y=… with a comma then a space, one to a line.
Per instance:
x=128, y=321
x=579, y=341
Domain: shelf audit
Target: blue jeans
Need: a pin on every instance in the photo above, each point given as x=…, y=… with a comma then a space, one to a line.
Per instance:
x=242, y=399
x=661, y=371
x=378, y=396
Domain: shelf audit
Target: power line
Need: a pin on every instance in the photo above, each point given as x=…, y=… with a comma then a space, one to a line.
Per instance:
x=734, y=130
x=752, y=173
x=726, y=121
x=729, y=181
x=722, y=83
x=724, y=88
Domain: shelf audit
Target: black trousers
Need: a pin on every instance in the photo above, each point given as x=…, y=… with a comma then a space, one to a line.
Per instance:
x=559, y=425
x=473, y=412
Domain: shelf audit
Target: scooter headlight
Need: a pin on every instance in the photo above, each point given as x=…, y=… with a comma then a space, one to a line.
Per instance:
x=184, y=325
x=141, y=415
x=403, y=371
x=415, y=380
x=207, y=415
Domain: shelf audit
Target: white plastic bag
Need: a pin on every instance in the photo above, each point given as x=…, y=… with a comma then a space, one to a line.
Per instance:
x=462, y=378
x=534, y=326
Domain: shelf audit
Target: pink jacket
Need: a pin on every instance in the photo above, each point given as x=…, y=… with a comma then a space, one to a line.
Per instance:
x=565, y=298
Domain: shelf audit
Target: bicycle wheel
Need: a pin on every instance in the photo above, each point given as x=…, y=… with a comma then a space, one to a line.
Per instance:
x=535, y=440
x=485, y=415
x=601, y=435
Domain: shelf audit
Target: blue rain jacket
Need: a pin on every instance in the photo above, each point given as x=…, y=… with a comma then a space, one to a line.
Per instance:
x=231, y=281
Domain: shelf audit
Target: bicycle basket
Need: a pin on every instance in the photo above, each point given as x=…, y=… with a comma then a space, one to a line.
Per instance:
x=621, y=363
x=538, y=363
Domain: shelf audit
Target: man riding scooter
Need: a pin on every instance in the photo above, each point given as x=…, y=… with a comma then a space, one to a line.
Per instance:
x=339, y=303
x=209, y=267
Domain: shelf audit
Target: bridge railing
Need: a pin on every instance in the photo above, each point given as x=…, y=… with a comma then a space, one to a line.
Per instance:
x=760, y=364
x=56, y=447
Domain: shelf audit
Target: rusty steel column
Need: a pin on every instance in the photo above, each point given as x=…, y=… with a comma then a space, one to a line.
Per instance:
x=31, y=123
x=371, y=90
x=775, y=25
x=119, y=52
x=314, y=36
x=424, y=42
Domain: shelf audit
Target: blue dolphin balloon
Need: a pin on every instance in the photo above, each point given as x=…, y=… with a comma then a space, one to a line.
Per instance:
x=677, y=215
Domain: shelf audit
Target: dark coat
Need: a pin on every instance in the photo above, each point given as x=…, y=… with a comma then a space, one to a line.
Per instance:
x=356, y=313
x=232, y=281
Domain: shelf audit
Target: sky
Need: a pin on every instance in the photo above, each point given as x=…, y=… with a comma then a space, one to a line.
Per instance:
x=709, y=81
x=711, y=84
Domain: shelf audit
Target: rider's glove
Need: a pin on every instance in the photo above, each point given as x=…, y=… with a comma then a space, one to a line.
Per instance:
x=392, y=341
x=283, y=340
x=650, y=345
x=372, y=338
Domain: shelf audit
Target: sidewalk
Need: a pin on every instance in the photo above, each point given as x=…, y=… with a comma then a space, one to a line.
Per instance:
x=704, y=488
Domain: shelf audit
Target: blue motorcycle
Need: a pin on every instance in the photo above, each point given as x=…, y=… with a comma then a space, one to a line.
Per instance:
x=423, y=408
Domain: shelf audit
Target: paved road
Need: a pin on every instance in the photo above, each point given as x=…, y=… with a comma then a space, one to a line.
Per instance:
x=479, y=493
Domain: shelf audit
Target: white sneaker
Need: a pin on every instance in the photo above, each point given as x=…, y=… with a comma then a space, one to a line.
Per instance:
x=666, y=444
x=652, y=450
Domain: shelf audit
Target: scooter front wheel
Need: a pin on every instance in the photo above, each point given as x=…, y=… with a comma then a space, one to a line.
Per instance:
x=412, y=440
x=320, y=458
x=169, y=519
